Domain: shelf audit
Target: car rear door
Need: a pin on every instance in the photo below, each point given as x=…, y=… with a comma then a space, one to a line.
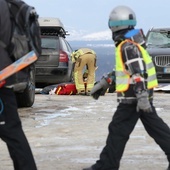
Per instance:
x=50, y=55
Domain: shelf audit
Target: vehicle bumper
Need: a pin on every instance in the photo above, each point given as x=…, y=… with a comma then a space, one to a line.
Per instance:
x=52, y=75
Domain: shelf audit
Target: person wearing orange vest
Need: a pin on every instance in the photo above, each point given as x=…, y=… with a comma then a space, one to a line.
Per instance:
x=84, y=57
x=133, y=79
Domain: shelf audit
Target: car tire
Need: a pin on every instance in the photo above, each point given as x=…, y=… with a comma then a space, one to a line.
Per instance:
x=27, y=97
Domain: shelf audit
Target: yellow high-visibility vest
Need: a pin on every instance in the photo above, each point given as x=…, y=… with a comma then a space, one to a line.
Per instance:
x=123, y=77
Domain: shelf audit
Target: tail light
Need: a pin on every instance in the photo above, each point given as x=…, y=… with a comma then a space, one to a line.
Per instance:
x=63, y=56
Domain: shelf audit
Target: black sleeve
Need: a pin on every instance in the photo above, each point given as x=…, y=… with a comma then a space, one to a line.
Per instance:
x=5, y=22
x=5, y=34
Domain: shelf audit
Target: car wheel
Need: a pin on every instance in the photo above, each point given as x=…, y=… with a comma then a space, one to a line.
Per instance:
x=27, y=97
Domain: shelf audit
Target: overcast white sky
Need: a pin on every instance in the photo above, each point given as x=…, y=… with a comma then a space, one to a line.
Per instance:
x=85, y=17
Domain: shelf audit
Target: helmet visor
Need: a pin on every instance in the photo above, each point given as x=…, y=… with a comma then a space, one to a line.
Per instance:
x=122, y=23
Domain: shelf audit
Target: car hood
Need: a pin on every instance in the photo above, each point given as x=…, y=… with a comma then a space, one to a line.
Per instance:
x=158, y=51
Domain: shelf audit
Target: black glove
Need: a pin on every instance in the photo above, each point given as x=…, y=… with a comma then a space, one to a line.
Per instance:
x=100, y=88
x=143, y=102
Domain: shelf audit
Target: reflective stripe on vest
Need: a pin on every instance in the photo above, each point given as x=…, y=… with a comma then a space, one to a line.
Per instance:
x=150, y=68
x=123, y=77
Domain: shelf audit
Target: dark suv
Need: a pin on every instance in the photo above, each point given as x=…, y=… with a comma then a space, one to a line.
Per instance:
x=54, y=65
x=158, y=46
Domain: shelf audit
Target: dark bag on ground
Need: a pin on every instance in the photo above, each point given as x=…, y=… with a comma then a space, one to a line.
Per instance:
x=47, y=89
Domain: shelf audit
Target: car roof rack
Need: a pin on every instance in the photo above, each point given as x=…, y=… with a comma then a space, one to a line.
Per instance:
x=52, y=27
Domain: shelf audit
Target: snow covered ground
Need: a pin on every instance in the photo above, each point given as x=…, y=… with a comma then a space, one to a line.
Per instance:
x=68, y=133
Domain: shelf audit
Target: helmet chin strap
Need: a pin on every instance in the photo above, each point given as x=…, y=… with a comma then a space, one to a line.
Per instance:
x=118, y=36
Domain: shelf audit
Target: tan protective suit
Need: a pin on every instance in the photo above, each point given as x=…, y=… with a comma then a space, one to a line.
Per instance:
x=84, y=57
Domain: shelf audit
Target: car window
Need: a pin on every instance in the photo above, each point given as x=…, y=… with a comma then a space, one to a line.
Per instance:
x=161, y=38
x=69, y=47
x=49, y=42
x=66, y=45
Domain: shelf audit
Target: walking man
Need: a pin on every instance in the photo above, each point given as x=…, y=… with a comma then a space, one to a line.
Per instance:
x=134, y=79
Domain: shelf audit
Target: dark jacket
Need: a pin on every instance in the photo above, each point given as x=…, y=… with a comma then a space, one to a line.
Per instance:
x=5, y=34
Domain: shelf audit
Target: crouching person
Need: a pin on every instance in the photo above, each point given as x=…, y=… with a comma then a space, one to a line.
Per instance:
x=84, y=57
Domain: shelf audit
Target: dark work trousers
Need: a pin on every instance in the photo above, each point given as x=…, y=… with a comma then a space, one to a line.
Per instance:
x=120, y=128
x=12, y=134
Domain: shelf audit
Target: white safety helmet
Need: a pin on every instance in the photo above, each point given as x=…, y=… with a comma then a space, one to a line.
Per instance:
x=121, y=17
